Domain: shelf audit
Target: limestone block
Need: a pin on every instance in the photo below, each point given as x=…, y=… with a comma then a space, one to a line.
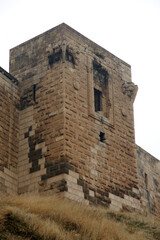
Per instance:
x=75, y=198
x=75, y=186
x=76, y=192
x=73, y=174
x=56, y=178
x=91, y=193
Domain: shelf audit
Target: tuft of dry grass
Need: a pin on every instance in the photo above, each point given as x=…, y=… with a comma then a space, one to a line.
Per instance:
x=49, y=217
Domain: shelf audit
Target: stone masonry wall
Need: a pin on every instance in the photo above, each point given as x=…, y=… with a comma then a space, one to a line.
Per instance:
x=9, y=119
x=149, y=181
x=41, y=135
x=76, y=125
x=41, y=139
x=107, y=169
x=61, y=134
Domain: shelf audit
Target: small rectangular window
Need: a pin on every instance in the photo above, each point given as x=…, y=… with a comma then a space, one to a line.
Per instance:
x=102, y=137
x=69, y=57
x=34, y=92
x=97, y=100
x=146, y=181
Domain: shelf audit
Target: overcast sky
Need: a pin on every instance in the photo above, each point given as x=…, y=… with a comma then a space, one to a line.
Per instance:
x=130, y=29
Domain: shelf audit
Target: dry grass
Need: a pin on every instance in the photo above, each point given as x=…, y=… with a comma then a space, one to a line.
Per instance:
x=37, y=217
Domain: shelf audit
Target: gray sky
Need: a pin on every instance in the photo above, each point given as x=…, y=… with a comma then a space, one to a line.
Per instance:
x=130, y=29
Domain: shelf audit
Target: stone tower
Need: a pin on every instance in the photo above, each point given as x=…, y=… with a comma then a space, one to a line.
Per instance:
x=69, y=122
x=76, y=127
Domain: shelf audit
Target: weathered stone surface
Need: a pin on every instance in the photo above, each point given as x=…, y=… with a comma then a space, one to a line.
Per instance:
x=9, y=126
x=149, y=180
x=73, y=126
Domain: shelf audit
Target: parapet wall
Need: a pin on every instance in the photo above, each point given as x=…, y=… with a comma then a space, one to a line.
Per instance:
x=9, y=127
x=149, y=180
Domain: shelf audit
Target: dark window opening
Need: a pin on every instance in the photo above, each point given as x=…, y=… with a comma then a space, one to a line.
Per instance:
x=69, y=57
x=34, y=92
x=155, y=184
x=55, y=57
x=100, y=75
x=146, y=181
x=102, y=137
x=97, y=100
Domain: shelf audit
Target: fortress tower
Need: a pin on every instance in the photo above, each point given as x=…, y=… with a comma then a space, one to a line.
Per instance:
x=70, y=125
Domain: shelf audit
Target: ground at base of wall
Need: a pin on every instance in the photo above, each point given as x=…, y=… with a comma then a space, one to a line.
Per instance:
x=49, y=217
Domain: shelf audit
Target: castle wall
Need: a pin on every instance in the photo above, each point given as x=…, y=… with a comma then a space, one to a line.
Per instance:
x=76, y=125
x=41, y=139
x=9, y=120
x=149, y=181
x=107, y=169
x=59, y=128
